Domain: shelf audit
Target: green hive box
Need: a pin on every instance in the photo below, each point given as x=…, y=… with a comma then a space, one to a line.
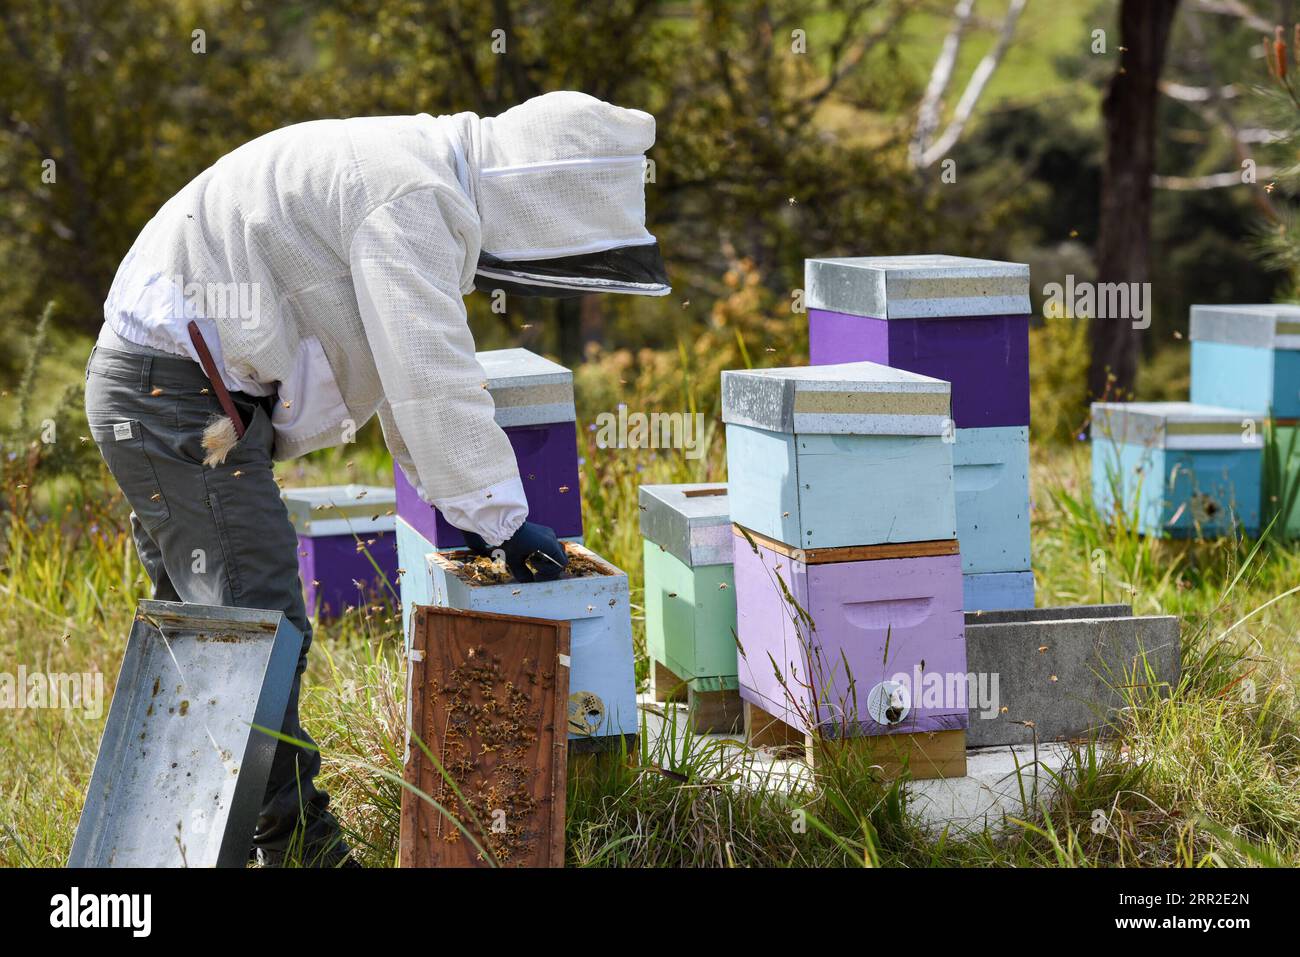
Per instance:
x=1286, y=436
x=690, y=600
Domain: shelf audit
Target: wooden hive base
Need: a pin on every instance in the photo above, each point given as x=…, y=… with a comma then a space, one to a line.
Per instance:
x=924, y=755
x=710, y=712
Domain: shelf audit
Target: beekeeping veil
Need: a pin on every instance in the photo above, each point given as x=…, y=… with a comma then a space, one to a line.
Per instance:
x=559, y=182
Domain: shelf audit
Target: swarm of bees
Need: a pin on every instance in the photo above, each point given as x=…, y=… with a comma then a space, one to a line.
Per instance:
x=492, y=726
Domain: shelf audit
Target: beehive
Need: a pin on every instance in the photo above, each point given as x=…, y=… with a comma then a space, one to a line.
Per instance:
x=839, y=455
x=962, y=320
x=1178, y=467
x=690, y=600
x=851, y=629
x=344, y=532
x=602, y=681
x=1247, y=357
x=534, y=405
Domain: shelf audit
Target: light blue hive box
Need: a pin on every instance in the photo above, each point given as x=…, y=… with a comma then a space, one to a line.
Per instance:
x=1247, y=357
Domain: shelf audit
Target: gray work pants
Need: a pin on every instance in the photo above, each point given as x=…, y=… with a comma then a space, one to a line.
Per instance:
x=213, y=536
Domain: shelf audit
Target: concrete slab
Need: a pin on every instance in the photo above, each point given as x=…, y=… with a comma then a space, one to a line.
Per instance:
x=1056, y=680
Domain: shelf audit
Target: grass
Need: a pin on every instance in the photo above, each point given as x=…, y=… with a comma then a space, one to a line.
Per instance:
x=1209, y=775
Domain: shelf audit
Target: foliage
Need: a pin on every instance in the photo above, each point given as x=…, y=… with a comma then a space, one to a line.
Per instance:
x=46, y=450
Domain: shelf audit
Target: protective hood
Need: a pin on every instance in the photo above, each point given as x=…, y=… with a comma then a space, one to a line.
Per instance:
x=559, y=182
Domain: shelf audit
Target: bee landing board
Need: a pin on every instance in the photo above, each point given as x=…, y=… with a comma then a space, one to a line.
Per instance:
x=341, y=528
x=1247, y=356
x=839, y=455
x=534, y=405
x=182, y=768
x=602, y=682
x=962, y=320
x=487, y=699
x=855, y=641
x=690, y=600
x=1182, y=468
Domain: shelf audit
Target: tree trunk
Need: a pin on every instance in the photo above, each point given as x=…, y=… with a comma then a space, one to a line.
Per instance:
x=1124, y=234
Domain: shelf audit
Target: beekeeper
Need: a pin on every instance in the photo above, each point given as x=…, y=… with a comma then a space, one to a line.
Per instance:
x=313, y=278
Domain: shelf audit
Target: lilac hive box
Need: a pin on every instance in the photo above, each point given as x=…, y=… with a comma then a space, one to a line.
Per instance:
x=341, y=529
x=885, y=628
x=965, y=321
x=534, y=404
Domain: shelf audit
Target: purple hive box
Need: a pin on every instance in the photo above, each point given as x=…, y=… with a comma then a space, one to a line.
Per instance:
x=534, y=404
x=880, y=623
x=962, y=320
x=340, y=529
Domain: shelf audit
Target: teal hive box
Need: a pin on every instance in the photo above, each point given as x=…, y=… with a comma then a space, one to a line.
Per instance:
x=602, y=678
x=839, y=455
x=690, y=596
x=1247, y=357
x=991, y=475
x=1178, y=467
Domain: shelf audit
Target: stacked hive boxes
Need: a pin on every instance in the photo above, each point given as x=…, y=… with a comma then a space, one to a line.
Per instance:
x=534, y=404
x=847, y=570
x=347, y=552
x=965, y=321
x=1177, y=466
x=1248, y=357
x=690, y=601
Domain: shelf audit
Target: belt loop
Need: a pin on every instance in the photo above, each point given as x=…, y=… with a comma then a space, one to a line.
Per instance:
x=146, y=373
x=90, y=359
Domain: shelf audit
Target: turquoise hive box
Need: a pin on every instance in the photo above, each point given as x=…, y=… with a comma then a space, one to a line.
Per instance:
x=1178, y=467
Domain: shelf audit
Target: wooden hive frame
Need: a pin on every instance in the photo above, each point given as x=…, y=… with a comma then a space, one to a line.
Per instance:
x=487, y=741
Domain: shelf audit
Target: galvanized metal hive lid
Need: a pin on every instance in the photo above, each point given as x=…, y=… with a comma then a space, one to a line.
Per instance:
x=182, y=769
x=528, y=389
x=1267, y=326
x=917, y=287
x=692, y=522
x=1177, y=425
x=850, y=398
x=340, y=509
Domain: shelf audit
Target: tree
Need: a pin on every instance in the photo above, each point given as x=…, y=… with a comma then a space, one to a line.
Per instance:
x=1124, y=229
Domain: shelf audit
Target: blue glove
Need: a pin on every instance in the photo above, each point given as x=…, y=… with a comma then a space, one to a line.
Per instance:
x=532, y=544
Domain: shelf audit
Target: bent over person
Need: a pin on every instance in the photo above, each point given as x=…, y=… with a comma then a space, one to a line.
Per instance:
x=313, y=278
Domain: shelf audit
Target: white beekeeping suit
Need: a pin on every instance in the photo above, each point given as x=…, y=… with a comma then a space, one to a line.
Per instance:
x=327, y=262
